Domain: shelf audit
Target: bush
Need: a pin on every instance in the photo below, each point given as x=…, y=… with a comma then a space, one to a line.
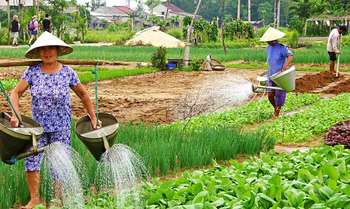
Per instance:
x=293, y=39
x=3, y=36
x=176, y=32
x=196, y=64
x=159, y=58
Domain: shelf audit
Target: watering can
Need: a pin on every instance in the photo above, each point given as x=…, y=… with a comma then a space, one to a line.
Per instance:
x=97, y=140
x=15, y=141
x=284, y=80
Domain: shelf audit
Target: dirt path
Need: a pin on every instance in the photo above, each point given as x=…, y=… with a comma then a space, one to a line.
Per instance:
x=162, y=97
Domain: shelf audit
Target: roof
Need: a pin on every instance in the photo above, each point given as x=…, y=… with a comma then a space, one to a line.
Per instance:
x=173, y=8
x=124, y=9
x=112, y=11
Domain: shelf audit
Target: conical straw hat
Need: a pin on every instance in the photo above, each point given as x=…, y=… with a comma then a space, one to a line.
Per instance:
x=272, y=34
x=47, y=39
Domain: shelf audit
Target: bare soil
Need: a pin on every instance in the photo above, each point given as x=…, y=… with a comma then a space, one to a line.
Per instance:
x=161, y=97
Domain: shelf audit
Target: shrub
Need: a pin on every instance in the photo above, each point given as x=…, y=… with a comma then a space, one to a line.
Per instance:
x=293, y=39
x=176, y=32
x=196, y=64
x=159, y=58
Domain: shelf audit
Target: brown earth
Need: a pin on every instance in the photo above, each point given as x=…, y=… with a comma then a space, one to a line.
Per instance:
x=344, y=86
x=310, y=82
x=160, y=97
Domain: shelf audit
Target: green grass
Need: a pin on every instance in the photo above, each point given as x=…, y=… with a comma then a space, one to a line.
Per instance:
x=85, y=75
x=313, y=55
x=312, y=122
x=118, y=37
x=299, y=67
x=253, y=112
x=164, y=149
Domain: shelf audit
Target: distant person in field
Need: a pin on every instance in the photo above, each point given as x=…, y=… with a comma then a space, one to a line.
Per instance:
x=33, y=28
x=279, y=58
x=46, y=23
x=333, y=46
x=15, y=27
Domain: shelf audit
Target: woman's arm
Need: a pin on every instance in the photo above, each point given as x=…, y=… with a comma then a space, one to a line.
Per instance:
x=16, y=93
x=84, y=96
x=288, y=62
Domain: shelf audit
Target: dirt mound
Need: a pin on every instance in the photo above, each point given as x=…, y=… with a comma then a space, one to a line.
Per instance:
x=341, y=87
x=311, y=82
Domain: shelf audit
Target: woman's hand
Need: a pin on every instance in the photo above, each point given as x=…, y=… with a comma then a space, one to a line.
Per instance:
x=14, y=122
x=94, y=123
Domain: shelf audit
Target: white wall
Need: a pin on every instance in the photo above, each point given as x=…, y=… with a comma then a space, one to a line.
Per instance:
x=16, y=2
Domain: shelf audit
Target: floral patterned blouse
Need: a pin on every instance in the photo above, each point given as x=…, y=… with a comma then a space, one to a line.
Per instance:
x=51, y=102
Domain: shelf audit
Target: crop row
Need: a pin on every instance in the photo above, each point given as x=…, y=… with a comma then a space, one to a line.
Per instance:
x=253, y=112
x=315, y=54
x=317, y=179
x=313, y=121
x=164, y=150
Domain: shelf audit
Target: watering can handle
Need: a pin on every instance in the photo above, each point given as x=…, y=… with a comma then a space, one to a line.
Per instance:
x=95, y=72
x=8, y=99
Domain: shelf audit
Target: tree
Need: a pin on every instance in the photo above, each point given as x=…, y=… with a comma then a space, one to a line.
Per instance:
x=265, y=12
x=152, y=4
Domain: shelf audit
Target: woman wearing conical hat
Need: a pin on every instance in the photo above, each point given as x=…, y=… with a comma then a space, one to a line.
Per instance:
x=49, y=83
x=279, y=57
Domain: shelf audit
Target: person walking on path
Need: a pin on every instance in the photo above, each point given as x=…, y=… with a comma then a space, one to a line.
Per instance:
x=333, y=46
x=50, y=83
x=33, y=28
x=15, y=27
x=279, y=58
x=46, y=23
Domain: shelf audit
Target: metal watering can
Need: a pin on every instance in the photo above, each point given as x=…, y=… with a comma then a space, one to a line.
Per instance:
x=285, y=81
x=15, y=141
x=97, y=140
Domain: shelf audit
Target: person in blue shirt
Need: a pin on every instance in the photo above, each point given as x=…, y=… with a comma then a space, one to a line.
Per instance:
x=279, y=58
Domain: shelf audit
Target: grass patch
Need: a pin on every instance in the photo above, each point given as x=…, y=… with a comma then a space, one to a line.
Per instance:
x=253, y=112
x=299, y=67
x=313, y=121
x=118, y=37
x=313, y=55
x=86, y=76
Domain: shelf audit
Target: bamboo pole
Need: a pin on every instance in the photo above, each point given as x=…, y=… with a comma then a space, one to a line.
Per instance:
x=8, y=21
x=63, y=61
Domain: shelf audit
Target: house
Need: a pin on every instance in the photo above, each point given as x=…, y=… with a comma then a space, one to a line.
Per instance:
x=3, y=3
x=167, y=9
x=115, y=14
x=26, y=3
